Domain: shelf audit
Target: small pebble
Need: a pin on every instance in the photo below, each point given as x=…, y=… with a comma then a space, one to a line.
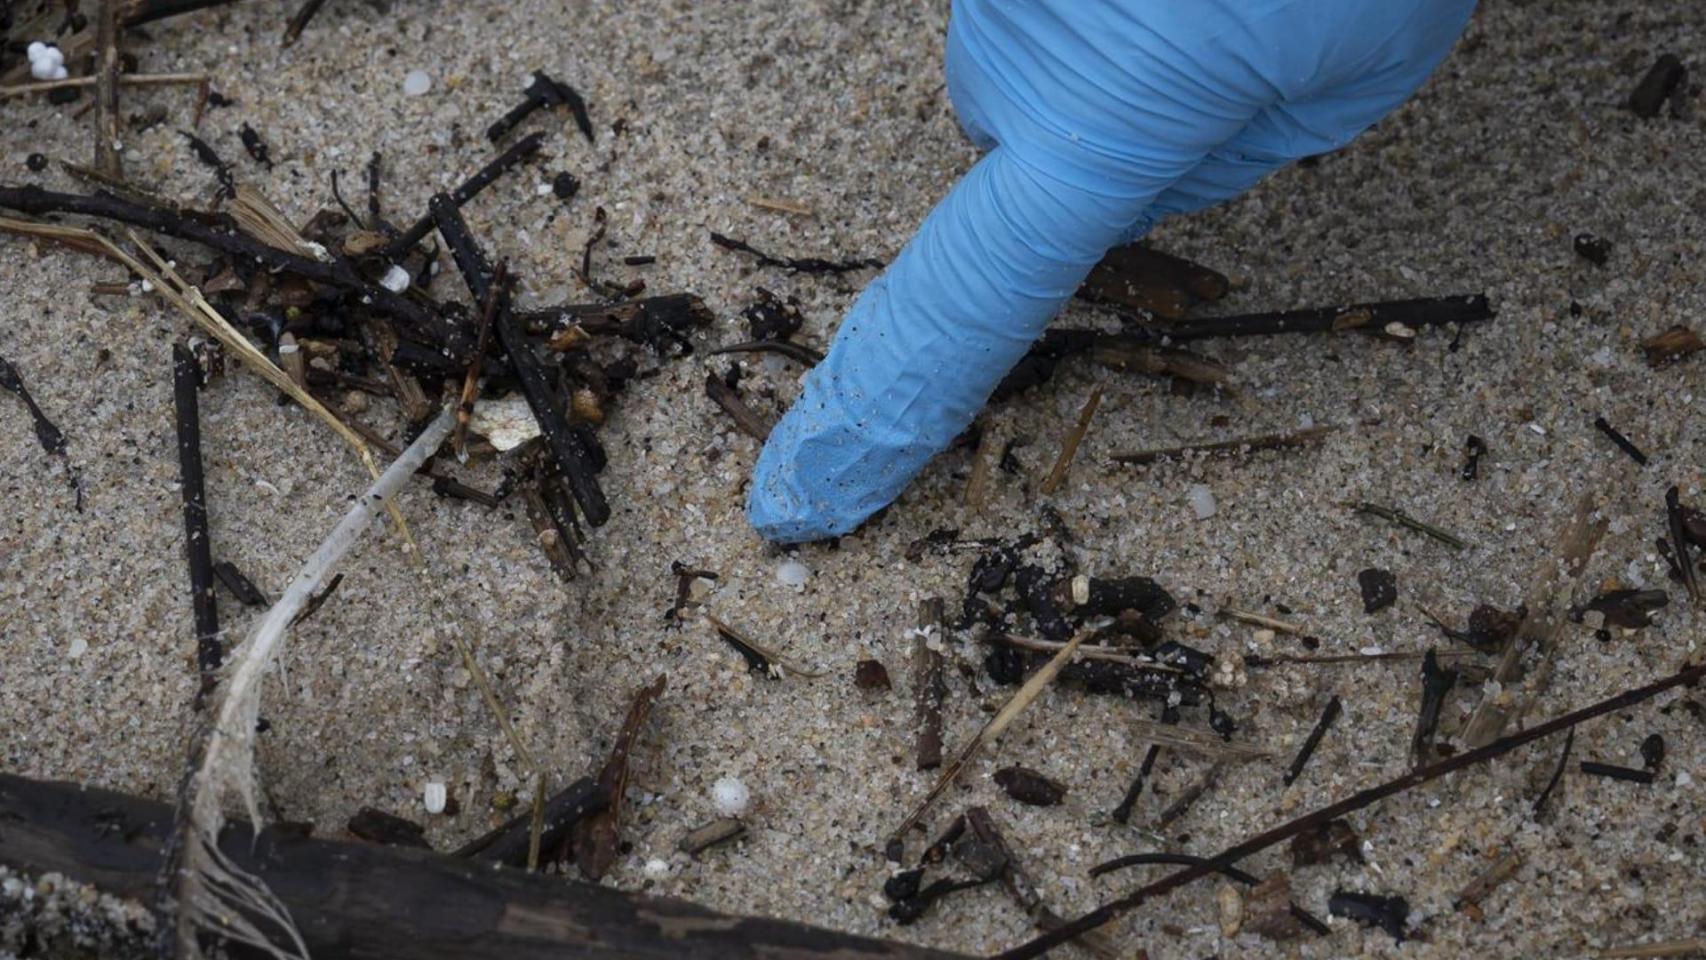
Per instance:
x=793, y=573
x=79, y=646
x=396, y=279
x=36, y=162
x=435, y=797
x=730, y=797
x=416, y=84
x=565, y=186
x=1202, y=501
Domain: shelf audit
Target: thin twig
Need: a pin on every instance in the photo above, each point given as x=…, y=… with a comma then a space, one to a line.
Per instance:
x=1667, y=948
x=471, y=381
x=209, y=652
x=1351, y=804
x=1069, y=449
x=1405, y=520
x=1268, y=441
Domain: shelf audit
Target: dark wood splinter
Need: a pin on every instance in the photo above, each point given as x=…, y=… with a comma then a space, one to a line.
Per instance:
x=929, y=687
x=209, y=651
x=1328, y=715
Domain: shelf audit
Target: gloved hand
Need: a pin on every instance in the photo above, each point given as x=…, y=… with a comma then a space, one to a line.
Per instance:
x=1101, y=116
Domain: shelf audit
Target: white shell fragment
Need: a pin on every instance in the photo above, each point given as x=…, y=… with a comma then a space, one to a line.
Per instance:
x=793, y=573
x=396, y=279
x=435, y=797
x=416, y=83
x=1202, y=501
x=507, y=421
x=730, y=797
x=656, y=868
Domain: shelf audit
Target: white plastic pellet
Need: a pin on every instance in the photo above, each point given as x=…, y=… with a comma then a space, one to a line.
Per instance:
x=396, y=279
x=435, y=797
x=1202, y=501
x=793, y=573
x=730, y=797
x=416, y=83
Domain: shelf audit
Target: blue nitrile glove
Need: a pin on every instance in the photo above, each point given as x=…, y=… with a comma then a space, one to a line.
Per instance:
x=1101, y=116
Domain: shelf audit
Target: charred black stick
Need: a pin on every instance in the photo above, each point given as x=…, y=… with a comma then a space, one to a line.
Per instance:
x=1614, y=772
x=568, y=449
x=1623, y=443
x=796, y=264
x=240, y=586
x=220, y=233
x=1371, y=317
x=471, y=381
x=1122, y=813
x=48, y=435
x=209, y=652
x=470, y=188
x=1557, y=773
x=1357, y=801
x=1677, y=523
x=508, y=844
x=543, y=91
x=1665, y=75
x=1328, y=715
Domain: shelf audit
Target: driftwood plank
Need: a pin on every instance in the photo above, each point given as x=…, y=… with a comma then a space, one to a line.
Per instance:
x=357, y=900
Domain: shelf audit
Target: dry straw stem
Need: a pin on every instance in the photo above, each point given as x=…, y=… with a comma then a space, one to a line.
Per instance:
x=998, y=724
x=1069, y=449
x=215, y=895
x=1669, y=948
x=124, y=79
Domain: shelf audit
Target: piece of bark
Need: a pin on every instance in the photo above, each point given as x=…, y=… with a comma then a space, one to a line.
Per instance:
x=353, y=900
x=599, y=836
x=1664, y=76
x=717, y=831
x=386, y=829
x=508, y=843
x=929, y=687
x=1030, y=787
x=1268, y=910
x=1671, y=345
x=1141, y=278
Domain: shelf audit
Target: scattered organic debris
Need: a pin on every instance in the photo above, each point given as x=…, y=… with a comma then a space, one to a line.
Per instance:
x=1391, y=914
x=1436, y=683
x=1477, y=448
x=1676, y=517
x=1357, y=801
x=1393, y=319
x=598, y=836
x=1630, y=609
x=1405, y=520
x=1469, y=901
x=1653, y=751
x=1663, y=349
x=317, y=601
x=1270, y=441
x=1184, y=859
x=1557, y=774
x=48, y=435
x=994, y=848
x=727, y=396
x=1327, y=840
x=1379, y=589
x=1188, y=797
x=1623, y=442
x=1329, y=714
x=871, y=675
x=1032, y=688
x=1270, y=912
x=1030, y=787
x=1592, y=249
x=700, y=839
x=1666, y=75
x=198, y=548
x=1489, y=628
x=254, y=146
x=757, y=656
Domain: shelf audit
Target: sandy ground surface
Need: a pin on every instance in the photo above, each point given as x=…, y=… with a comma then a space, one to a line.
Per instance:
x=1520, y=142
